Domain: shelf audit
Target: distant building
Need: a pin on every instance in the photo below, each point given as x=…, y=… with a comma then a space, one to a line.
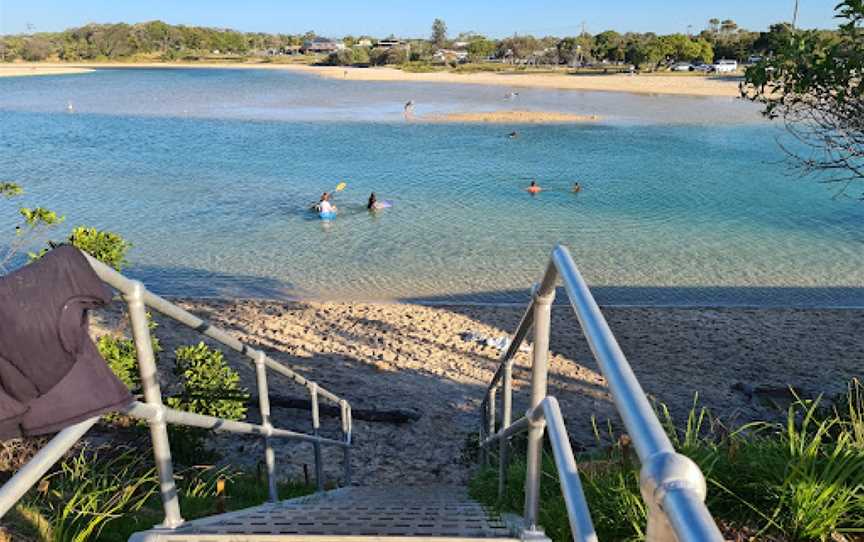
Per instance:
x=450, y=56
x=365, y=42
x=460, y=44
x=389, y=43
x=321, y=46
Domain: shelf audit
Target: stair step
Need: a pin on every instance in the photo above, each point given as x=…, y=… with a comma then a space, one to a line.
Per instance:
x=350, y=514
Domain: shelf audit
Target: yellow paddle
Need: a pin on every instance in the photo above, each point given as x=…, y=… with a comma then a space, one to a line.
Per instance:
x=339, y=187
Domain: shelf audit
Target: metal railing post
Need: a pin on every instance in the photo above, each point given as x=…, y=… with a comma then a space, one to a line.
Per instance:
x=153, y=396
x=27, y=476
x=506, y=418
x=539, y=371
x=316, y=424
x=490, y=421
x=346, y=435
x=264, y=407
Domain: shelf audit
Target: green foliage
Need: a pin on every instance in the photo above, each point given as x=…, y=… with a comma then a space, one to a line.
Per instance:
x=108, y=496
x=802, y=480
x=341, y=57
x=813, y=83
x=37, y=217
x=36, y=222
x=393, y=55
x=480, y=48
x=122, y=357
x=10, y=190
x=209, y=385
x=107, y=247
x=88, y=491
x=439, y=33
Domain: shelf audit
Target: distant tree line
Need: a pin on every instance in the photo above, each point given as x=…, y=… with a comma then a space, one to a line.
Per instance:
x=720, y=39
x=120, y=41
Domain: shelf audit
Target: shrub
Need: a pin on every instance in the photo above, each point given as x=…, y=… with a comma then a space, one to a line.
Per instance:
x=107, y=247
x=122, y=359
x=341, y=57
x=209, y=385
x=393, y=55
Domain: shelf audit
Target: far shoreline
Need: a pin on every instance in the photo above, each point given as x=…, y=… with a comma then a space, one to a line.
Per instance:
x=652, y=84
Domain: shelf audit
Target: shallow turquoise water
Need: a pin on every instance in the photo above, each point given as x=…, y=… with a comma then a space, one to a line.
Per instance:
x=209, y=173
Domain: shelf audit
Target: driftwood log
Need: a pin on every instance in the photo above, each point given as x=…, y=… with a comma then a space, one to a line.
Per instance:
x=324, y=409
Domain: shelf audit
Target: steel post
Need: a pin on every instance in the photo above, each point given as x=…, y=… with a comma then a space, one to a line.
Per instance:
x=264, y=407
x=316, y=424
x=506, y=416
x=539, y=372
x=153, y=396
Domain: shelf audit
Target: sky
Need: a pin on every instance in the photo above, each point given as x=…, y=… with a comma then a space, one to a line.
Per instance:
x=494, y=18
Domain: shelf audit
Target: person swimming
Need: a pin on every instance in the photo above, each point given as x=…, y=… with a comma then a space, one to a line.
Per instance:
x=534, y=188
x=372, y=204
x=576, y=188
x=513, y=135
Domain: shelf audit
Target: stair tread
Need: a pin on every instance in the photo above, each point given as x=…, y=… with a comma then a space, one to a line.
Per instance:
x=444, y=512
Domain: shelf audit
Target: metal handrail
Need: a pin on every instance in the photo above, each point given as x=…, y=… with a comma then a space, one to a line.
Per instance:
x=158, y=415
x=671, y=484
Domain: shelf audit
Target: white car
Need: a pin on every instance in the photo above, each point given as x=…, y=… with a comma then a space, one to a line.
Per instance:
x=725, y=66
x=682, y=67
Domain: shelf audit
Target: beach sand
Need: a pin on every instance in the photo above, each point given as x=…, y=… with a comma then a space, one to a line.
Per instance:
x=640, y=84
x=509, y=117
x=21, y=70
x=692, y=85
x=390, y=356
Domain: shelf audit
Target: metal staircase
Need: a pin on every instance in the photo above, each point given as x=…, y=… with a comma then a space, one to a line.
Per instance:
x=673, y=487
x=350, y=513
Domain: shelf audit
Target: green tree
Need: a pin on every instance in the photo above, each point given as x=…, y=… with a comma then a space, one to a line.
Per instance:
x=36, y=49
x=609, y=45
x=480, y=48
x=439, y=33
x=814, y=84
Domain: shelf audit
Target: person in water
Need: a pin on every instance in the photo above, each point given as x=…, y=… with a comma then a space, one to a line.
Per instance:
x=372, y=204
x=324, y=206
x=513, y=135
x=534, y=188
x=576, y=188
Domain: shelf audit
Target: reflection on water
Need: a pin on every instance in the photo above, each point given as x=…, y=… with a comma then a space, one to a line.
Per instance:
x=200, y=169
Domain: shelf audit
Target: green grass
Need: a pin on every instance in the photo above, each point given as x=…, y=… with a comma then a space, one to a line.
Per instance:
x=800, y=480
x=109, y=495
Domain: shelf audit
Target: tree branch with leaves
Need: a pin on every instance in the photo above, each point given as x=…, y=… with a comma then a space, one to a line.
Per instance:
x=814, y=84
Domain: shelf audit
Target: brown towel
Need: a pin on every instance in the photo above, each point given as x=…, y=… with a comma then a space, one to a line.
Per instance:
x=51, y=374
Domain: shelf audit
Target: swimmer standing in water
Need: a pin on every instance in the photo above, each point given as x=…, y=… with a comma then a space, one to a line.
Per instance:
x=533, y=188
x=577, y=188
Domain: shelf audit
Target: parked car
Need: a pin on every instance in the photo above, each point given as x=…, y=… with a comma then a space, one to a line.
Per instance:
x=724, y=66
x=701, y=67
x=682, y=67
x=754, y=59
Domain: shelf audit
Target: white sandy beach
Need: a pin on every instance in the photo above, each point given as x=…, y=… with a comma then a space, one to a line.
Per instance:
x=642, y=84
x=22, y=70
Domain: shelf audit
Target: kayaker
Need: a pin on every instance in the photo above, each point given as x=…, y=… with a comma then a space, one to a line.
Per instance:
x=324, y=206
